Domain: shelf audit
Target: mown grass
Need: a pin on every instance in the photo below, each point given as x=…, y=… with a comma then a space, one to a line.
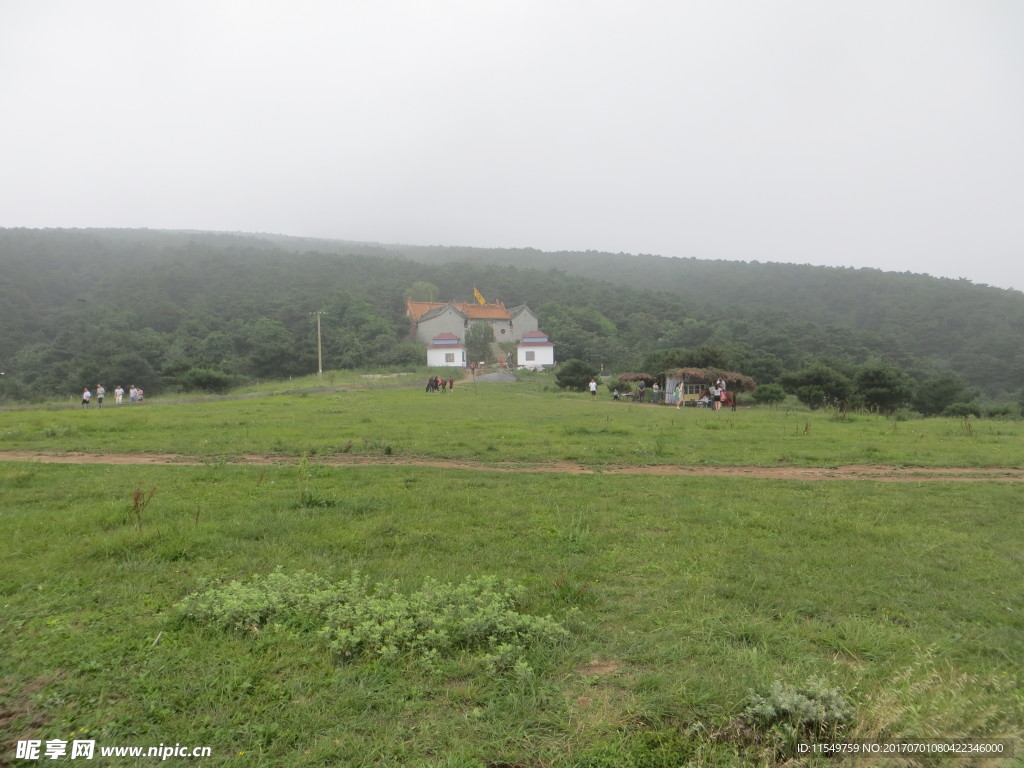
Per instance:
x=682, y=595
x=502, y=423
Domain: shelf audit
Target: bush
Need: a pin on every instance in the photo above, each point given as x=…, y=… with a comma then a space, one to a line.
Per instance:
x=769, y=394
x=1001, y=411
x=207, y=380
x=575, y=375
x=296, y=600
x=356, y=619
x=788, y=715
x=962, y=410
x=478, y=615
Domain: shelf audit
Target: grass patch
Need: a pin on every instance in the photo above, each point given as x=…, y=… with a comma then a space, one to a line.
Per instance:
x=400, y=615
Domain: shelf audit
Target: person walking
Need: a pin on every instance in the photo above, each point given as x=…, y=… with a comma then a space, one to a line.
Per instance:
x=100, y=392
x=133, y=394
x=118, y=394
x=86, y=394
x=593, y=388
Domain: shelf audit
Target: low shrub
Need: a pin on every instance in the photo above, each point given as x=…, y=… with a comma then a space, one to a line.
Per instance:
x=788, y=715
x=478, y=615
x=962, y=410
x=356, y=619
x=296, y=600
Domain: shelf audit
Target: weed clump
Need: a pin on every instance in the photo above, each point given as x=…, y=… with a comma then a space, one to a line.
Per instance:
x=295, y=600
x=478, y=617
x=788, y=715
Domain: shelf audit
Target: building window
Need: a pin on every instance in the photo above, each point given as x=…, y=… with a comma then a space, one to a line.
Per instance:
x=449, y=357
x=531, y=356
x=693, y=389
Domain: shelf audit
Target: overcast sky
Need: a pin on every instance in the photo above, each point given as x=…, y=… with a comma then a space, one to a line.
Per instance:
x=882, y=134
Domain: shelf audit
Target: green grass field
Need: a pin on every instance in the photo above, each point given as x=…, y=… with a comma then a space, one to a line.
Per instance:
x=683, y=599
x=502, y=423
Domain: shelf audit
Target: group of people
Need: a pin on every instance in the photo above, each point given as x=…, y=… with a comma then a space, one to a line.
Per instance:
x=134, y=395
x=437, y=384
x=711, y=397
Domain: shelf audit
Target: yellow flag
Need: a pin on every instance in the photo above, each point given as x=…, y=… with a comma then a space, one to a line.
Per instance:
x=479, y=296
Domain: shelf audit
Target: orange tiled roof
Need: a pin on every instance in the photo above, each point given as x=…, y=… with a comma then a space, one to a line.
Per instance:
x=484, y=311
x=418, y=309
x=472, y=310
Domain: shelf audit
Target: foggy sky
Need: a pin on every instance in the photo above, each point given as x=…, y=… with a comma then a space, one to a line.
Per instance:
x=866, y=134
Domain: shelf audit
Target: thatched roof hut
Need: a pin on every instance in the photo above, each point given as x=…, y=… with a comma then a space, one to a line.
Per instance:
x=646, y=378
x=734, y=381
x=695, y=380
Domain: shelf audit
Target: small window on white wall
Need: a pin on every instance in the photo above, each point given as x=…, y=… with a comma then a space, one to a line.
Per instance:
x=531, y=356
x=449, y=357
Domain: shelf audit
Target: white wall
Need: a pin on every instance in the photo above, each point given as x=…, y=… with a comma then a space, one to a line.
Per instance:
x=436, y=355
x=543, y=355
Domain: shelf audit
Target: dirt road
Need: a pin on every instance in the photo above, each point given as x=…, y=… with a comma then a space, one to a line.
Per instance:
x=849, y=472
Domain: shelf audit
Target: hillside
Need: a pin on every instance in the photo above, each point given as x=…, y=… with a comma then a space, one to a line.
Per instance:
x=173, y=309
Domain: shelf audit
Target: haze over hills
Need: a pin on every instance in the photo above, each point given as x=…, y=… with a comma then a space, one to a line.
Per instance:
x=173, y=307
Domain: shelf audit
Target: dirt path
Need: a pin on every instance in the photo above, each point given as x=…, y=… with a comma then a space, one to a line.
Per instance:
x=849, y=472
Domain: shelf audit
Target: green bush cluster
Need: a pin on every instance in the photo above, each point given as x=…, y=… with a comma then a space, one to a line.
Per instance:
x=790, y=714
x=358, y=619
x=478, y=615
x=296, y=600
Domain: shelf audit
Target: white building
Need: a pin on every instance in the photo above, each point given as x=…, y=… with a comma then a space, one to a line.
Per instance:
x=535, y=351
x=446, y=349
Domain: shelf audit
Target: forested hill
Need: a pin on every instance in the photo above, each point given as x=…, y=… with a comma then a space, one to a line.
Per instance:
x=179, y=309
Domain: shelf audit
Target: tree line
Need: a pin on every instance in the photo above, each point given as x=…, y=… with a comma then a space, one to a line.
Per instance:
x=194, y=310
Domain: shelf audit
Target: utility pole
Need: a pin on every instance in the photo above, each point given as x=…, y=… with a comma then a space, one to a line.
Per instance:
x=319, y=346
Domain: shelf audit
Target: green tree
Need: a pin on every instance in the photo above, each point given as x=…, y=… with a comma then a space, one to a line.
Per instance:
x=207, y=380
x=769, y=394
x=818, y=385
x=273, y=352
x=421, y=290
x=701, y=357
x=936, y=394
x=582, y=333
x=479, y=338
x=883, y=387
x=574, y=375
